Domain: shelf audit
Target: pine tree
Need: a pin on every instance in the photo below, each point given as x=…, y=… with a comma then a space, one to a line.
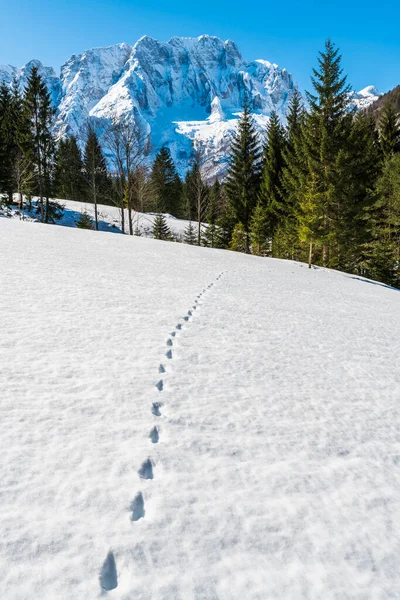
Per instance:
x=165, y=184
x=161, y=231
x=259, y=230
x=69, y=172
x=22, y=156
x=389, y=126
x=85, y=221
x=359, y=165
x=240, y=239
x=211, y=234
x=6, y=143
x=38, y=107
x=383, y=262
x=325, y=134
x=189, y=235
x=270, y=195
x=95, y=170
x=242, y=183
x=293, y=172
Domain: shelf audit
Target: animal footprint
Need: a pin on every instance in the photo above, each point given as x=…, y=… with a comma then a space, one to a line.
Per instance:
x=108, y=573
x=179, y=326
x=154, y=435
x=155, y=409
x=161, y=369
x=146, y=470
x=169, y=343
x=160, y=385
x=137, y=507
x=169, y=354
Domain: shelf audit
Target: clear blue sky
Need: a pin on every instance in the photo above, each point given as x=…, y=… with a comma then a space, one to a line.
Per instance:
x=289, y=33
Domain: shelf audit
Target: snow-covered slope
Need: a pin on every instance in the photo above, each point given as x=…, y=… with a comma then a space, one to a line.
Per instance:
x=274, y=393
x=109, y=217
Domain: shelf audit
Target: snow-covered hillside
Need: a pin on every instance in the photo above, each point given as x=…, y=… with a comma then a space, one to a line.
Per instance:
x=109, y=217
x=181, y=423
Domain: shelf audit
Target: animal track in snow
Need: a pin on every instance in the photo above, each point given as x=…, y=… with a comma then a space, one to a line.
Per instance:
x=146, y=470
x=179, y=326
x=137, y=507
x=155, y=409
x=169, y=354
x=108, y=573
x=160, y=385
x=161, y=369
x=154, y=435
x=169, y=342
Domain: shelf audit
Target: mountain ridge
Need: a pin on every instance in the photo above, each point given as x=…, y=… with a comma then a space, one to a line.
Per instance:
x=186, y=93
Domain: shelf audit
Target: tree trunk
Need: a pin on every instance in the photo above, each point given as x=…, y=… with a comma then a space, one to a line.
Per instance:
x=310, y=255
x=122, y=215
x=47, y=210
x=95, y=202
x=325, y=255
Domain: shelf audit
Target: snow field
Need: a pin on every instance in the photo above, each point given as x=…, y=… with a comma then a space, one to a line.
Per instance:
x=262, y=398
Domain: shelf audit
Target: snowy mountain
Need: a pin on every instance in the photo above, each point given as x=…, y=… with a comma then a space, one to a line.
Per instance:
x=181, y=423
x=186, y=93
x=365, y=97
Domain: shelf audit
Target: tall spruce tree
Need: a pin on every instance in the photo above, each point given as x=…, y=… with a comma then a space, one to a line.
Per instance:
x=23, y=170
x=293, y=171
x=38, y=107
x=243, y=177
x=165, y=184
x=270, y=196
x=325, y=134
x=6, y=142
x=389, y=126
x=95, y=170
x=383, y=259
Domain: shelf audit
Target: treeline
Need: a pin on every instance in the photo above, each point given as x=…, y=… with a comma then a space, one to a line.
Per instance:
x=323, y=188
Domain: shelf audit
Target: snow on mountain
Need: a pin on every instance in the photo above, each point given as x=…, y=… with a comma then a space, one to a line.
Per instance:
x=7, y=74
x=186, y=93
x=365, y=97
x=263, y=403
x=161, y=86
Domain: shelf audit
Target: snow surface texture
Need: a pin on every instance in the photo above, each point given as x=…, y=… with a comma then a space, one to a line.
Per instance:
x=262, y=397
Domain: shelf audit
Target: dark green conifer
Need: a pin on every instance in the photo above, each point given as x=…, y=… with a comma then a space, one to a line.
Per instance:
x=389, y=127
x=95, y=170
x=243, y=178
x=161, y=231
x=189, y=235
x=165, y=184
x=85, y=221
